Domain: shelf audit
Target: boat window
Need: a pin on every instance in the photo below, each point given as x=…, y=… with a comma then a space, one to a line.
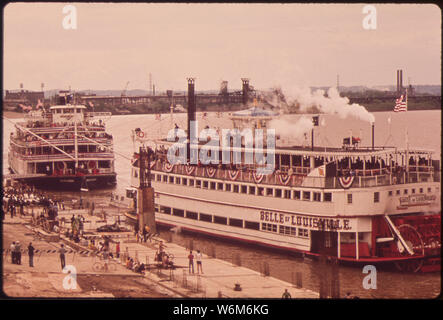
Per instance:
x=390, y=193
x=405, y=191
x=303, y=232
x=278, y=193
x=289, y=231
x=220, y=220
x=171, y=179
x=397, y=192
x=164, y=209
x=177, y=180
x=327, y=196
x=252, y=190
x=306, y=195
x=269, y=227
x=421, y=190
x=205, y=217
x=191, y=182
x=219, y=186
x=252, y=225
x=236, y=222
x=192, y=215
x=429, y=189
x=316, y=196
x=228, y=186
x=236, y=188
x=413, y=190
x=213, y=185
x=261, y=191
x=269, y=192
x=287, y=194
x=198, y=183
x=244, y=189
x=158, y=177
x=165, y=178
x=350, y=198
x=376, y=197
x=297, y=195
x=178, y=212
x=205, y=184
x=184, y=181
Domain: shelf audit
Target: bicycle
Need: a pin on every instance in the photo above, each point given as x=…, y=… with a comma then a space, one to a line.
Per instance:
x=103, y=264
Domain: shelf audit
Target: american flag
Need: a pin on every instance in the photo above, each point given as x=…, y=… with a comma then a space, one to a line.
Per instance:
x=401, y=104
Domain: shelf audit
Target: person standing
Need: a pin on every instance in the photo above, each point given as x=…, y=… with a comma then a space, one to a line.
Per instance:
x=31, y=254
x=12, y=248
x=286, y=294
x=145, y=233
x=199, y=262
x=117, y=250
x=62, y=252
x=191, y=261
x=18, y=252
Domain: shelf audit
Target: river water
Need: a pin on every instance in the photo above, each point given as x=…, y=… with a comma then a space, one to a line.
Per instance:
x=421, y=129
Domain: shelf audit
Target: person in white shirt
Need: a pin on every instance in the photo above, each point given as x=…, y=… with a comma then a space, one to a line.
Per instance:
x=199, y=262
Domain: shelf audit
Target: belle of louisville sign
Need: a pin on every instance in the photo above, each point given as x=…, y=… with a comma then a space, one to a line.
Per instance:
x=307, y=222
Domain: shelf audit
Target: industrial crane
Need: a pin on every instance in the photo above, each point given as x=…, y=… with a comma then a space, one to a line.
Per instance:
x=124, y=90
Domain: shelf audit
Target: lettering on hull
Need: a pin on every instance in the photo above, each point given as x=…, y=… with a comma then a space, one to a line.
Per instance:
x=314, y=223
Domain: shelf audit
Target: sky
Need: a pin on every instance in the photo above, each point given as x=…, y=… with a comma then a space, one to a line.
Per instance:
x=272, y=44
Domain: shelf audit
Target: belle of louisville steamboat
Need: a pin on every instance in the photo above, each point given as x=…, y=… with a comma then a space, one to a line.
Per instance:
x=65, y=148
x=360, y=205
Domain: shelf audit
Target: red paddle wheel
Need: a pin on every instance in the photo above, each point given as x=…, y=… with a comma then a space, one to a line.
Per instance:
x=414, y=241
x=420, y=233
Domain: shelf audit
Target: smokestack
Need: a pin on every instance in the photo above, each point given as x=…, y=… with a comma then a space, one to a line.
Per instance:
x=191, y=111
x=373, y=135
x=245, y=89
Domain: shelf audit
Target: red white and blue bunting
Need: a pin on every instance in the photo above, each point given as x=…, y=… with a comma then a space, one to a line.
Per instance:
x=284, y=179
x=152, y=165
x=346, y=182
x=189, y=169
x=168, y=167
x=210, y=171
x=233, y=174
x=258, y=178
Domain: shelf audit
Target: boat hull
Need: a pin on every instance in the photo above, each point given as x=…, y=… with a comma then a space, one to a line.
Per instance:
x=72, y=183
x=431, y=263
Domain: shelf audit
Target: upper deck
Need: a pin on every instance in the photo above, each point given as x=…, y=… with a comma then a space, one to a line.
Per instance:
x=60, y=116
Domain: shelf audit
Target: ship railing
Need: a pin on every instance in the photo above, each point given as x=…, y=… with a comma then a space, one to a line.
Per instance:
x=37, y=116
x=80, y=172
x=53, y=157
x=295, y=180
x=37, y=143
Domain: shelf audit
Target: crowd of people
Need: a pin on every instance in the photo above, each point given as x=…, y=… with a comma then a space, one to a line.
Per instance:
x=16, y=198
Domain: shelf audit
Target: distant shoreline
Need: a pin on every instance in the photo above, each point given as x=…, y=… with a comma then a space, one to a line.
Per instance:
x=19, y=115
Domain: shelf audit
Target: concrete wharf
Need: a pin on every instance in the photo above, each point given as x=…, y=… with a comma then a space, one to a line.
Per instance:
x=220, y=279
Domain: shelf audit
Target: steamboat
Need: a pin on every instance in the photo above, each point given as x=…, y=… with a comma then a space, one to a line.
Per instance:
x=64, y=147
x=353, y=204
